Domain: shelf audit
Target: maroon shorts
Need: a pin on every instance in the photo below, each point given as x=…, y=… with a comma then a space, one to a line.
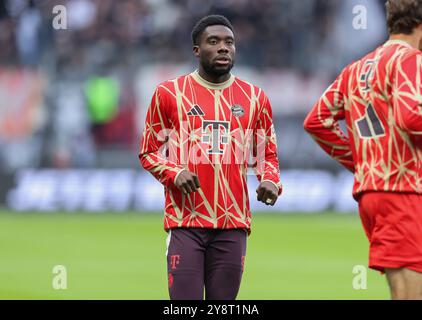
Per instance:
x=205, y=259
x=393, y=225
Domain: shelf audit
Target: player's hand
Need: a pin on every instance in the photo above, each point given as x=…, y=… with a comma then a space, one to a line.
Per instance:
x=187, y=182
x=267, y=193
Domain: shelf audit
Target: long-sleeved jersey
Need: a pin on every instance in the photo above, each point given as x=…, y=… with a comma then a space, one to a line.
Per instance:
x=216, y=131
x=380, y=98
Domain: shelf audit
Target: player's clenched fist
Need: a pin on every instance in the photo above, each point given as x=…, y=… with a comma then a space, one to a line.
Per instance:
x=187, y=182
x=267, y=193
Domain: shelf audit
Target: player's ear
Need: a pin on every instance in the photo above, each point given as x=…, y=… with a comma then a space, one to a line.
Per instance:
x=419, y=30
x=196, y=51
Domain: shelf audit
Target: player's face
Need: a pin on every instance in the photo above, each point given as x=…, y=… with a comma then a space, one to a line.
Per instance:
x=216, y=50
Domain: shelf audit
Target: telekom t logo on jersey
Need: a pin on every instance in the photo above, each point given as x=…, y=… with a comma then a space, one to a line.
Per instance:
x=216, y=133
x=174, y=261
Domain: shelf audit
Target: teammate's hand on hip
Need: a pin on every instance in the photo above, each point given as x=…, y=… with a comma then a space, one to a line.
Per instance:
x=187, y=182
x=267, y=193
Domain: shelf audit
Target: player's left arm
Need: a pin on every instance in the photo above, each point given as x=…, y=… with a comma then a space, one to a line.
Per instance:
x=267, y=165
x=322, y=123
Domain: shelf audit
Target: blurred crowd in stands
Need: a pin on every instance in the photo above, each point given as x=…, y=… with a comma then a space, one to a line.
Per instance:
x=93, y=64
x=305, y=35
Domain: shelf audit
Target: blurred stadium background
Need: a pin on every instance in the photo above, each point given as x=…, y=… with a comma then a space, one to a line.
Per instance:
x=72, y=107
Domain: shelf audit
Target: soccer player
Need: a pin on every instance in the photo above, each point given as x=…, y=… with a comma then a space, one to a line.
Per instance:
x=380, y=99
x=201, y=131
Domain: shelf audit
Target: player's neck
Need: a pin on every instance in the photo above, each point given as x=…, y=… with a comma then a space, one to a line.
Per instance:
x=412, y=39
x=211, y=78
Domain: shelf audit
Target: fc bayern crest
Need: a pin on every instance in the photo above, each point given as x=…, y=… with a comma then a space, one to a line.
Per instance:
x=238, y=110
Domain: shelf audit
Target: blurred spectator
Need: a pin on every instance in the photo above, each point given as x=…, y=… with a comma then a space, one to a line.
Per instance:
x=27, y=35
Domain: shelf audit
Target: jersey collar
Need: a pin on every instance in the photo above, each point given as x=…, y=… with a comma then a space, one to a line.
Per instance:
x=402, y=42
x=210, y=85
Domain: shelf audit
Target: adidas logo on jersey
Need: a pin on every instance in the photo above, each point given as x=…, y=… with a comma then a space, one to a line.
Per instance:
x=196, y=111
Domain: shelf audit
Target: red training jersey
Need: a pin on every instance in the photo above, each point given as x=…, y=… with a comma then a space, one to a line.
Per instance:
x=380, y=98
x=215, y=131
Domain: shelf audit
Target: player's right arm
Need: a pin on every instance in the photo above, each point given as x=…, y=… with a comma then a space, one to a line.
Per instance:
x=156, y=133
x=322, y=123
x=407, y=94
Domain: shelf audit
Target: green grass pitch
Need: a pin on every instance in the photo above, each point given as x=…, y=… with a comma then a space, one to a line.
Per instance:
x=122, y=256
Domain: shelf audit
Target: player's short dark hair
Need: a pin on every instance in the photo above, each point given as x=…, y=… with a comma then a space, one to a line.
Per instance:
x=207, y=21
x=403, y=15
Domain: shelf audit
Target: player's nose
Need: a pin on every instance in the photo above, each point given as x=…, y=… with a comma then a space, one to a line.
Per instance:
x=223, y=48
